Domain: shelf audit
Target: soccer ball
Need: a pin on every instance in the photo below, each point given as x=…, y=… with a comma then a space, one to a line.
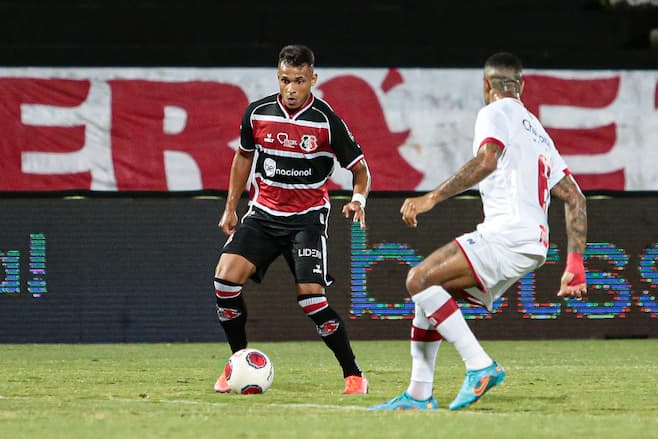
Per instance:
x=249, y=371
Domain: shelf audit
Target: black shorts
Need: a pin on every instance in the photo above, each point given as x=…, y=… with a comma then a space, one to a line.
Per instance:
x=261, y=238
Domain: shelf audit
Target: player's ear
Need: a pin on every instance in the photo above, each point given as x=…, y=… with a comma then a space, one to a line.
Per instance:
x=314, y=79
x=522, y=86
x=486, y=84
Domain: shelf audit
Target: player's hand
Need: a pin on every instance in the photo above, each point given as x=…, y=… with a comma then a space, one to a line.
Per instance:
x=354, y=207
x=414, y=206
x=573, y=282
x=572, y=285
x=228, y=222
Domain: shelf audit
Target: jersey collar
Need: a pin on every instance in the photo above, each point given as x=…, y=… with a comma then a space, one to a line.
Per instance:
x=298, y=111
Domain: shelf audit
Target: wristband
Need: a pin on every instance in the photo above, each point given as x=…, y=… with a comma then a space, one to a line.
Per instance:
x=575, y=266
x=360, y=199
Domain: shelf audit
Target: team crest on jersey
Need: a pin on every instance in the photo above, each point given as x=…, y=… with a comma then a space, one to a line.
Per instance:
x=309, y=143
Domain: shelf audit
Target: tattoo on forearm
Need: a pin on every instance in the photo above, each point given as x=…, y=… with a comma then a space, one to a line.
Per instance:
x=576, y=219
x=470, y=174
x=575, y=212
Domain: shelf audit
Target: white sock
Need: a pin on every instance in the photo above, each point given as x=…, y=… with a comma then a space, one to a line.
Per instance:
x=442, y=310
x=425, y=342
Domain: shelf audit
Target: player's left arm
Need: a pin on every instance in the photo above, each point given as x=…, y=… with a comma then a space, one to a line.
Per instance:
x=573, y=282
x=473, y=172
x=350, y=156
x=361, y=188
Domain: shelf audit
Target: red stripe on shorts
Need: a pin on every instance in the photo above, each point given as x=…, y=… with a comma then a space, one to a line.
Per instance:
x=480, y=285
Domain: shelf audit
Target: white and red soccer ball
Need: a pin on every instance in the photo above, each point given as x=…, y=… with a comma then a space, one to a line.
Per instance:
x=249, y=371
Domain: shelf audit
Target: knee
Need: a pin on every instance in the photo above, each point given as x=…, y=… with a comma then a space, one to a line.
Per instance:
x=234, y=268
x=415, y=281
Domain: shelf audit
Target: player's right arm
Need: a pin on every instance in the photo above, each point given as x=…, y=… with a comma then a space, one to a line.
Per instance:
x=240, y=170
x=473, y=172
x=573, y=282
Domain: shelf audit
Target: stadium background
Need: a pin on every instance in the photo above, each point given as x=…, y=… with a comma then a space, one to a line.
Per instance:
x=137, y=266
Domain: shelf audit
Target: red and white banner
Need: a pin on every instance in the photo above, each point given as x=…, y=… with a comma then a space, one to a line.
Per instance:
x=173, y=129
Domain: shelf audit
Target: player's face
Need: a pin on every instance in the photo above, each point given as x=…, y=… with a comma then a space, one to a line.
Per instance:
x=295, y=84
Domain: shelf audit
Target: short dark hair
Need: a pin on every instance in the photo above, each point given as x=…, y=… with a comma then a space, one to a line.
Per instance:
x=296, y=55
x=503, y=71
x=505, y=61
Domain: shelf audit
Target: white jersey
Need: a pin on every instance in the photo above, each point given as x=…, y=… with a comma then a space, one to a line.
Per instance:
x=516, y=195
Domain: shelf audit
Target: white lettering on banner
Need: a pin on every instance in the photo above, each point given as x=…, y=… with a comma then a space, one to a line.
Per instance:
x=182, y=172
x=604, y=123
x=634, y=113
x=95, y=154
x=175, y=119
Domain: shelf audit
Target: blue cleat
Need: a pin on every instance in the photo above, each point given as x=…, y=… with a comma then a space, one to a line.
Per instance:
x=406, y=402
x=476, y=384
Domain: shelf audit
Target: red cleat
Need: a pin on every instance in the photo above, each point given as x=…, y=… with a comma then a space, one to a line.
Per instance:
x=356, y=385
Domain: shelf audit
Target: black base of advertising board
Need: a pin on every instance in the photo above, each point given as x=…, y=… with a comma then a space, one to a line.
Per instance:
x=139, y=269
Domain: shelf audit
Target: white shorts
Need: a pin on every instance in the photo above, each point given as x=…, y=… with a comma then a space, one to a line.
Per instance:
x=495, y=266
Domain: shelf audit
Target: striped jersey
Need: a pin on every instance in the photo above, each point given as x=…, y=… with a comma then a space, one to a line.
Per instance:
x=294, y=154
x=516, y=195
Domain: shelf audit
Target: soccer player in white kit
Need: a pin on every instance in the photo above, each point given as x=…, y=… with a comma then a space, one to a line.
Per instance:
x=518, y=169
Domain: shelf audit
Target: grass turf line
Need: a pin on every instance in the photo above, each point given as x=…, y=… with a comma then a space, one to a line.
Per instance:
x=591, y=388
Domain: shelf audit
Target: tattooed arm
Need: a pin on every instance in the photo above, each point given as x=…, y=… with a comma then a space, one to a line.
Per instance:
x=473, y=172
x=573, y=282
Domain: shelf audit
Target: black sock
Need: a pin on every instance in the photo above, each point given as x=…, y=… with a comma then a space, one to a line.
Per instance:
x=332, y=330
x=232, y=313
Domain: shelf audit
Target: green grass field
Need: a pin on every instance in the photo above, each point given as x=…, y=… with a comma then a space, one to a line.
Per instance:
x=584, y=389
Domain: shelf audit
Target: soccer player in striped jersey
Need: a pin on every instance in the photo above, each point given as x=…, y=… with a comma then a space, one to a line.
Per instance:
x=289, y=142
x=518, y=169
